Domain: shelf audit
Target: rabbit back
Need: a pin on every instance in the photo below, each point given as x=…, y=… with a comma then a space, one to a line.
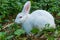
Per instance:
x=42, y=13
x=41, y=18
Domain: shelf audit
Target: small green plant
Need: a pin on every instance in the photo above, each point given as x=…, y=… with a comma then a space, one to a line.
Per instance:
x=35, y=30
x=9, y=37
x=10, y=8
x=18, y=32
x=2, y=35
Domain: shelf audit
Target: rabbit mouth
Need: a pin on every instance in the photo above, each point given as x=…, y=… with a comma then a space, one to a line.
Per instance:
x=17, y=22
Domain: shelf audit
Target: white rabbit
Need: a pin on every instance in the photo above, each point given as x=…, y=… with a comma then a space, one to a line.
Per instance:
x=37, y=19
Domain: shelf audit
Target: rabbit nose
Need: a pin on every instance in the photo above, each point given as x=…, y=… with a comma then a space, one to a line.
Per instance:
x=16, y=22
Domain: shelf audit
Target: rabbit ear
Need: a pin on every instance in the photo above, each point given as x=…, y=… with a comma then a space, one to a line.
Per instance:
x=26, y=8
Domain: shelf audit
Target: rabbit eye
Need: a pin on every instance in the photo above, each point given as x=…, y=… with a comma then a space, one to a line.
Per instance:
x=20, y=17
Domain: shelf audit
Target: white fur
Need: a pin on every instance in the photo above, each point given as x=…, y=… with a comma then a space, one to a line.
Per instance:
x=38, y=19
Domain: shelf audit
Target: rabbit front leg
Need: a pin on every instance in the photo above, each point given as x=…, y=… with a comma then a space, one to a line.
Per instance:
x=27, y=27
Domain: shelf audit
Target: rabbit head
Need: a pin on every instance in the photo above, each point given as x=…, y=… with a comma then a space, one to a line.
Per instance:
x=21, y=17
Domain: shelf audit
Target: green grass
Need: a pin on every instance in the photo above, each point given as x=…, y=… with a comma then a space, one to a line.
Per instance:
x=10, y=8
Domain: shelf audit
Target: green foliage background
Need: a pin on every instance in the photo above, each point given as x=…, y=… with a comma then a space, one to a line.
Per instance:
x=13, y=7
x=10, y=8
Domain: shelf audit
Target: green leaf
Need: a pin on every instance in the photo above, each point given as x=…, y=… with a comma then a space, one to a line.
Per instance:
x=2, y=35
x=9, y=37
x=58, y=14
x=35, y=30
x=0, y=26
x=50, y=38
x=19, y=32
